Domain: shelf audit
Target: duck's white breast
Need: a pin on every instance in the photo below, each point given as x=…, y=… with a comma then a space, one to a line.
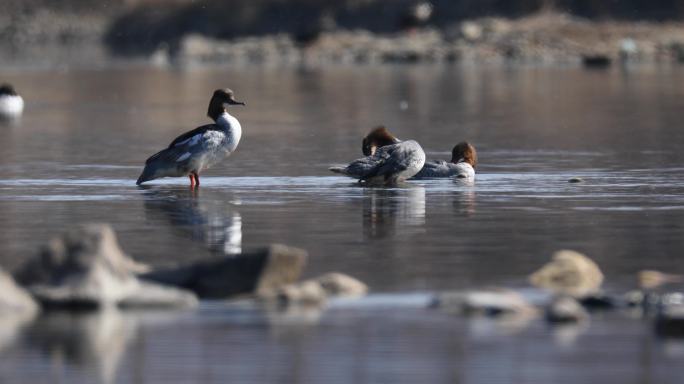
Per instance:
x=11, y=105
x=233, y=130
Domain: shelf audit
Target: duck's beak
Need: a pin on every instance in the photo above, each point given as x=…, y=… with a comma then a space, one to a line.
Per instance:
x=235, y=102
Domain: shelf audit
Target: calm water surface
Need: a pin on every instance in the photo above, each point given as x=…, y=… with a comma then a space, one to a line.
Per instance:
x=76, y=153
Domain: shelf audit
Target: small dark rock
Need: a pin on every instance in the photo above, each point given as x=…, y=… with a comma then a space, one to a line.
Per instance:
x=262, y=272
x=599, y=301
x=596, y=61
x=575, y=180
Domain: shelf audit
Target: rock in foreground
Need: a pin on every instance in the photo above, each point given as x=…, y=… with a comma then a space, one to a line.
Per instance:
x=14, y=299
x=261, y=272
x=565, y=309
x=492, y=302
x=318, y=290
x=86, y=268
x=569, y=273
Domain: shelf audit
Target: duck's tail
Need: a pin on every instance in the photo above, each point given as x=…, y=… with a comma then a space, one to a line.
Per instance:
x=342, y=170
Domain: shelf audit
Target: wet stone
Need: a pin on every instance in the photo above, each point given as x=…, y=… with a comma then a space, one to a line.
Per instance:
x=565, y=309
x=569, y=273
x=492, y=302
x=261, y=272
x=86, y=269
x=318, y=290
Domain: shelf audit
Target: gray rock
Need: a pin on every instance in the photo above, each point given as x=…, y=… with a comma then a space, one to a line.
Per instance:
x=306, y=293
x=493, y=302
x=341, y=285
x=85, y=268
x=569, y=273
x=262, y=273
x=318, y=290
x=565, y=309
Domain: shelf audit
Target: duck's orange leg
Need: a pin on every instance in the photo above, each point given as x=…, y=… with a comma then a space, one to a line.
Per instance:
x=197, y=183
x=192, y=180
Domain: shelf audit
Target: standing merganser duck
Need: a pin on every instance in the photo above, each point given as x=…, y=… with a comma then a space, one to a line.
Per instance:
x=196, y=150
x=462, y=165
x=388, y=159
x=11, y=104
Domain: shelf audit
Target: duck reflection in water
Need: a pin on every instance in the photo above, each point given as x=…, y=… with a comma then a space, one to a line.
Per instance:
x=210, y=221
x=464, y=197
x=393, y=211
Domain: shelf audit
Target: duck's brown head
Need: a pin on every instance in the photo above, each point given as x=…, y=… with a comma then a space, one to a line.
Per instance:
x=464, y=151
x=219, y=101
x=378, y=137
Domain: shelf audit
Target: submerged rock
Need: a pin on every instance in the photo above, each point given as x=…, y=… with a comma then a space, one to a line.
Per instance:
x=262, y=272
x=575, y=180
x=565, y=309
x=86, y=268
x=570, y=273
x=493, y=302
x=318, y=290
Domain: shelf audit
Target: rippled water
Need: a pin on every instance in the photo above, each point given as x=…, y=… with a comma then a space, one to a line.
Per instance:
x=76, y=153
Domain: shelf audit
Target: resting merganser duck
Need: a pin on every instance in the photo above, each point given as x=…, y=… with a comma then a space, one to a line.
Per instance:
x=196, y=150
x=388, y=160
x=462, y=165
x=11, y=104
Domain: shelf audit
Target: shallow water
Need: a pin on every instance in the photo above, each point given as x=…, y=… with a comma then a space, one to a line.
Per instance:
x=77, y=151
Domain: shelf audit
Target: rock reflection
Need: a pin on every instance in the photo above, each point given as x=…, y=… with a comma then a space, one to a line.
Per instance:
x=94, y=340
x=10, y=326
x=216, y=224
x=392, y=211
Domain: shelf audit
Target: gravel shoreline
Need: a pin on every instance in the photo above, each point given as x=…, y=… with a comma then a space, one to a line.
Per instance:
x=545, y=38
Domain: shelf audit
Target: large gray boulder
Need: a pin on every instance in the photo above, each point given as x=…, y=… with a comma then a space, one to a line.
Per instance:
x=260, y=273
x=86, y=268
